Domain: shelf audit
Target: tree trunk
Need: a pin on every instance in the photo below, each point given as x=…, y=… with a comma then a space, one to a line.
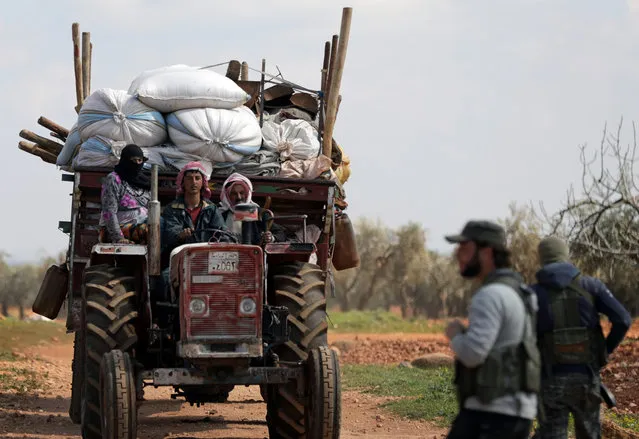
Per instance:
x=21, y=308
x=5, y=307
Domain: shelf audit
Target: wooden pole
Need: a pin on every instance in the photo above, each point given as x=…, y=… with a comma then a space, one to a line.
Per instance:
x=90, y=66
x=58, y=136
x=245, y=71
x=336, y=80
x=77, y=66
x=262, y=95
x=324, y=87
x=35, y=149
x=86, y=54
x=331, y=65
x=48, y=123
x=44, y=143
x=327, y=55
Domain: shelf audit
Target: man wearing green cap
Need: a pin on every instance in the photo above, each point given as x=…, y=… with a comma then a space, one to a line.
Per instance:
x=496, y=358
x=572, y=344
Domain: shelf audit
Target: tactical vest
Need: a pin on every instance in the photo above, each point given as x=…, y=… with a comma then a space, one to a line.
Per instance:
x=570, y=342
x=506, y=370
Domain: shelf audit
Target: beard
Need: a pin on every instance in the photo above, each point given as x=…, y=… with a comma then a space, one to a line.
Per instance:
x=473, y=268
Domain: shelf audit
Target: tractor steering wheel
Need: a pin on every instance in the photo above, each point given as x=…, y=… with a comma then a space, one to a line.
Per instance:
x=217, y=236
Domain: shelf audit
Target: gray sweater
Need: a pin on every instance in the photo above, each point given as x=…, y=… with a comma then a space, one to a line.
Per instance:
x=496, y=319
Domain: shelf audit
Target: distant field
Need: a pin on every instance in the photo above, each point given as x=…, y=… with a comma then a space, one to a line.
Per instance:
x=15, y=334
x=381, y=322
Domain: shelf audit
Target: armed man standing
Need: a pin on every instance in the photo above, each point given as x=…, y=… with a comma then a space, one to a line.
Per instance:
x=497, y=364
x=572, y=344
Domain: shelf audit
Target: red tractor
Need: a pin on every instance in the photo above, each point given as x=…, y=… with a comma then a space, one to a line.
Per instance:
x=236, y=314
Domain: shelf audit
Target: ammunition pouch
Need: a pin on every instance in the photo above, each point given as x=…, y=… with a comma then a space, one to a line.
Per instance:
x=570, y=342
x=506, y=370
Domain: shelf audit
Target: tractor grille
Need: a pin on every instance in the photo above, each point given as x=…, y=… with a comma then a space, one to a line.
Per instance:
x=224, y=292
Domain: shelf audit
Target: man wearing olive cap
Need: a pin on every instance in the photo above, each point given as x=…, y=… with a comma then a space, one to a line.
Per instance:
x=497, y=364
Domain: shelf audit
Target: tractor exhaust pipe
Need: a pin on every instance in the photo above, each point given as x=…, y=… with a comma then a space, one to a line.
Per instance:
x=153, y=244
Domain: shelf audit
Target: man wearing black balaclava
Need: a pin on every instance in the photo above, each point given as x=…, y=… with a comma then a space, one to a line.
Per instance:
x=130, y=167
x=125, y=197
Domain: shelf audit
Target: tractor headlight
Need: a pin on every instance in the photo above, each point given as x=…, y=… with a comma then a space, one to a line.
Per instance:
x=248, y=306
x=197, y=306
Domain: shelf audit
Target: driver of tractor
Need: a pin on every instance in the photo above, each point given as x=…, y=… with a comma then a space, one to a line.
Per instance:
x=192, y=216
x=239, y=189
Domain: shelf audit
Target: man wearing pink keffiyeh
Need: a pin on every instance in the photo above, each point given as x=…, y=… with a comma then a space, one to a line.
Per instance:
x=192, y=216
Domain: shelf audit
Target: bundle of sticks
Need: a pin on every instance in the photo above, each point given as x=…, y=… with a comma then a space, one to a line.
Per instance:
x=43, y=147
x=48, y=149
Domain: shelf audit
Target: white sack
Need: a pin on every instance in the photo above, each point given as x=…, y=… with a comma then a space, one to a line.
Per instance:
x=98, y=152
x=117, y=115
x=221, y=136
x=70, y=148
x=174, y=158
x=294, y=139
x=101, y=152
x=135, y=84
x=178, y=89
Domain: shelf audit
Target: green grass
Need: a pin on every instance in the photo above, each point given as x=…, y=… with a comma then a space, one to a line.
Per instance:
x=629, y=421
x=16, y=334
x=421, y=394
x=381, y=322
x=8, y=356
x=21, y=380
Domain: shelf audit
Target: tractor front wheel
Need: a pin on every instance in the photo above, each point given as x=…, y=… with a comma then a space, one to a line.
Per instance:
x=109, y=316
x=117, y=391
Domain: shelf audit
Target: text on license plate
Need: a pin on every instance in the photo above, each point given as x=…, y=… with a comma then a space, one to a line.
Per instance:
x=224, y=262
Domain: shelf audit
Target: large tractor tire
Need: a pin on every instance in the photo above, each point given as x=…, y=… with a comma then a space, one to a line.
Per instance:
x=109, y=315
x=299, y=287
x=77, y=383
x=118, y=406
x=323, y=389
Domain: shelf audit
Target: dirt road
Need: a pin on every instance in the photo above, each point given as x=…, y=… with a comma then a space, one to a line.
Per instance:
x=44, y=415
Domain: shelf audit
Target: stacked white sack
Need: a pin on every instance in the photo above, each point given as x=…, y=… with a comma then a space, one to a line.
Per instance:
x=180, y=87
x=70, y=148
x=102, y=152
x=293, y=139
x=218, y=135
x=118, y=116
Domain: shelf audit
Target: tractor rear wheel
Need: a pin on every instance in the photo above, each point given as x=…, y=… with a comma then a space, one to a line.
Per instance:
x=109, y=315
x=299, y=287
x=117, y=389
x=77, y=384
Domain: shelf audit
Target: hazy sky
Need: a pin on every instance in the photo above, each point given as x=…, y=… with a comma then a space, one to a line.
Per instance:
x=451, y=109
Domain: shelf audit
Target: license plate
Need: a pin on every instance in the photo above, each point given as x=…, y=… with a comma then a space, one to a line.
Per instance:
x=224, y=262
